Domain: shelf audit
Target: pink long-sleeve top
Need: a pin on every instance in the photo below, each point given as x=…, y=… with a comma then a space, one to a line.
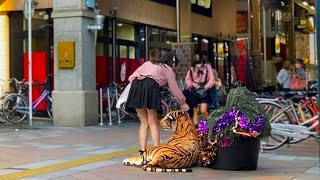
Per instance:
x=162, y=75
x=207, y=70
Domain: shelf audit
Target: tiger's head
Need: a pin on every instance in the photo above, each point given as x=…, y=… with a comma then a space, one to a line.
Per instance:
x=171, y=120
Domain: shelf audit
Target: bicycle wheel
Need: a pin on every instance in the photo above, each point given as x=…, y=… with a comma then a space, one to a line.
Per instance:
x=14, y=108
x=308, y=113
x=49, y=106
x=2, y=119
x=277, y=116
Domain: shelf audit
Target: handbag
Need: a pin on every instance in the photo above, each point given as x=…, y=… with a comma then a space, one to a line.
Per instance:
x=124, y=96
x=201, y=92
x=297, y=84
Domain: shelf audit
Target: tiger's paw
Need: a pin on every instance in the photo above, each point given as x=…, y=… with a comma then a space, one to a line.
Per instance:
x=146, y=167
x=130, y=162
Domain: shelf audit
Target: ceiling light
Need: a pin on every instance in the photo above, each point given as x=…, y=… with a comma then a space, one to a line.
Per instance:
x=305, y=3
x=154, y=32
x=143, y=39
x=120, y=24
x=312, y=7
x=195, y=38
x=205, y=40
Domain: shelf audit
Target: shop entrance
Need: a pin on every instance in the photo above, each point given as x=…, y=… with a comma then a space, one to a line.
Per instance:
x=127, y=60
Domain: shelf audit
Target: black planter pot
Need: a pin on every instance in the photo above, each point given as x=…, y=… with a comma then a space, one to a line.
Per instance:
x=242, y=155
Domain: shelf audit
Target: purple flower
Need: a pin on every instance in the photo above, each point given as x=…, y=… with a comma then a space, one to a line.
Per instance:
x=225, y=142
x=203, y=126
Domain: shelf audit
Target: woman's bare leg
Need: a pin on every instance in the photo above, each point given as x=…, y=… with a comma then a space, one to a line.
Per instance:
x=143, y=132
x=153, y=123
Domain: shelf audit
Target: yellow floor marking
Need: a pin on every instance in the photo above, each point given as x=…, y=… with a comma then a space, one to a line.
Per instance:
x=68, y=164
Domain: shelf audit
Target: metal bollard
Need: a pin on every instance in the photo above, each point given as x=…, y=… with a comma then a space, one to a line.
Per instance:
x=101, y=108
x=118, y=110
x=109, y=107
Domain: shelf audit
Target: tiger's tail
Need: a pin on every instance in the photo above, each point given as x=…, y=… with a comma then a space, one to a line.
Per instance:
x=158, y=169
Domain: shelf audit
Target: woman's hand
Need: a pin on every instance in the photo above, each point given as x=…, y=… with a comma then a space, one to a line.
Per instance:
x=206, y=87
x=195, y=85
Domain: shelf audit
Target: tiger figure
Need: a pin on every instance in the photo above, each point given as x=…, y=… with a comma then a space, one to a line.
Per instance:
x=178, y=154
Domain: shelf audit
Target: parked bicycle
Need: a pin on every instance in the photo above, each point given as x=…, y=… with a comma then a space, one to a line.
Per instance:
x=15, y=107
x=16, y=87
x=293, y=118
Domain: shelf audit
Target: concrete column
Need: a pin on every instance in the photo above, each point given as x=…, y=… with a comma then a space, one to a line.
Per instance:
x=291, y=32
x=4, y=48
x=75, y=101
x=185, y=21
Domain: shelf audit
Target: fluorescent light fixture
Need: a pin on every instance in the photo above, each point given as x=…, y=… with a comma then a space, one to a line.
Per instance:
x=143, y=39
x=312, y=7
x=305, y=3
x=205, y=40
x=120, y=24
x=195, y=38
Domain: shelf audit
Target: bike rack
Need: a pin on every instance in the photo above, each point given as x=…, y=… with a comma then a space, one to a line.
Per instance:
x=118, y=110
x=101, y=108
x=109, y=107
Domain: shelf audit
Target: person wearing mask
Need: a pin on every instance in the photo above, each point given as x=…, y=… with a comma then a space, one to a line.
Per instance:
x=199, y=80
x=284, y=77
x=300, y=72
x=144, y=95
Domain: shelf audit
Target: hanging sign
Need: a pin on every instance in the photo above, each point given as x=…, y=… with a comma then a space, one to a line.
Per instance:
x=91, y=4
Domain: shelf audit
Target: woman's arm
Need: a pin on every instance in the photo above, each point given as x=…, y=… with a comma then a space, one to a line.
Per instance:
x=188, y=80
x=279, y=76
x=176, y=92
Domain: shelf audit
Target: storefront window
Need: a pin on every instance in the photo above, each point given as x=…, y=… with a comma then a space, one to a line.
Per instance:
x=40, y=28
x=125, y=31
x=161, y=39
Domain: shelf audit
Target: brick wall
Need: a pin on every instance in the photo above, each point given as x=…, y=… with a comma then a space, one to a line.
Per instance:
x=184, y=52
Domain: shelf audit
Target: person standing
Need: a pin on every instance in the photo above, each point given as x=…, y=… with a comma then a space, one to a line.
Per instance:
x=300, y=72
x=144, y=95
x=284, y=77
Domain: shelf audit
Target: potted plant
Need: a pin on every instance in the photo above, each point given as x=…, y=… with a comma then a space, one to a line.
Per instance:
x=237, y=130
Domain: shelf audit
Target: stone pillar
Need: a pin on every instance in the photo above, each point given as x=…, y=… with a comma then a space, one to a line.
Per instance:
x=75, y=101
x=185, y=21
x=184, y=52
x=256, y=39
x=4, y=50
x=291, y=32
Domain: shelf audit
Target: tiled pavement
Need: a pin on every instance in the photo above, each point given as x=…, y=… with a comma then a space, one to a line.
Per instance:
x=23, y=149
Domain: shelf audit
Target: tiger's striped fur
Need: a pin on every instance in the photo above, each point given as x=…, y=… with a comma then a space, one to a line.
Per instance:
x=178, y=154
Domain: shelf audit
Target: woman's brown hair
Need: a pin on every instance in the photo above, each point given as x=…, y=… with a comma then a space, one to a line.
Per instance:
x=154, y=55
